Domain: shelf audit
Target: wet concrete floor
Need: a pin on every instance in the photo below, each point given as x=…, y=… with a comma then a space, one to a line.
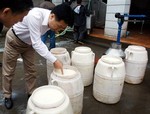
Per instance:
x=135, y=99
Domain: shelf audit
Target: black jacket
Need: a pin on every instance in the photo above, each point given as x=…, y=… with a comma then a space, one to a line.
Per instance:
x=80, y=19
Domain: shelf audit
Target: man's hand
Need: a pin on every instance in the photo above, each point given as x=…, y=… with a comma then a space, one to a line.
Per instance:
x=58, y=65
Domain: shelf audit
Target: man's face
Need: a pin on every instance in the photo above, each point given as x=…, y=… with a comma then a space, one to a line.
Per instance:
x=8, y=18
x=56, y=25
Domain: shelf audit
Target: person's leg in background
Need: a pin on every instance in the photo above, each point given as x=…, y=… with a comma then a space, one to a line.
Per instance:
x=51, y=36
x=76, y=34
x=44, y=37
x=82, y=33
x=52, y=40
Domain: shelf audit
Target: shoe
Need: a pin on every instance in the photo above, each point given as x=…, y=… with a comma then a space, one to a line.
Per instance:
x=8, y=103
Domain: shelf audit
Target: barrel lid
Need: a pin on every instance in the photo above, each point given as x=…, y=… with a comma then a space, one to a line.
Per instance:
x=83, y=49
x=111, y=59
x=58, y=50
x=136, y=48
x=67, y=73
x=48, y=97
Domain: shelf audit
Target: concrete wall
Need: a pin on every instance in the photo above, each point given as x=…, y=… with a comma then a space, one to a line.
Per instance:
x=56, y=2
x=111, y=26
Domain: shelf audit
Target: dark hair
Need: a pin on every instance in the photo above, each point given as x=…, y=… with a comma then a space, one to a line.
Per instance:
x=17, y=6
x=64, y=12
x=79, y=1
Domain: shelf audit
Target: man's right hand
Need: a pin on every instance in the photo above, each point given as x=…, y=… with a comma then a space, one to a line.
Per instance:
x=58, y=65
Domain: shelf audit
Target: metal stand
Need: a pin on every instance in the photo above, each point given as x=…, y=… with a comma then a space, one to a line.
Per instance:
x=115, y=49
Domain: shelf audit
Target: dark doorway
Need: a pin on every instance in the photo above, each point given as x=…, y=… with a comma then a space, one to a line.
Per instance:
x=140, y=7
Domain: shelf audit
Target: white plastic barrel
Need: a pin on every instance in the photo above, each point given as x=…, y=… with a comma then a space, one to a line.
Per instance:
x=109, y=79
x=83, y=59
x=61, y=54
x=135, y=63
x=49, y=100
x=72, y=84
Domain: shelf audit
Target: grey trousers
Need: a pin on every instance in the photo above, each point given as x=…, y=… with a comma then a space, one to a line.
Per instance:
x=13, y=48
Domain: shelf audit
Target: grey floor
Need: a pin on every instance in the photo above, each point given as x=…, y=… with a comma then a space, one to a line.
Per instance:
x=135, y=99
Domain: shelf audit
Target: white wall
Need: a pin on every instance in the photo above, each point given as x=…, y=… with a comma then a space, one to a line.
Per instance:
x=116, y=6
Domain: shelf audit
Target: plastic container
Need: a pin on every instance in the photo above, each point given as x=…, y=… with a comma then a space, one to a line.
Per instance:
x=109, y=79
x=49, y=100
x=72, y=84
x=61, y=54
x=83, y=59
x=135, y=62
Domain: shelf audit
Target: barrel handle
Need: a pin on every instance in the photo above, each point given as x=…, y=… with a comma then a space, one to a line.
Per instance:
x=128, y=54
x=49, y=77
x=93, y=54
x=54, y=82
x=113, y=69
x=71, y=58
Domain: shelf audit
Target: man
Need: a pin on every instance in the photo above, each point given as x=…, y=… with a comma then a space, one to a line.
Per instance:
x=79, y=22
x=24, y=38
x=12, y=11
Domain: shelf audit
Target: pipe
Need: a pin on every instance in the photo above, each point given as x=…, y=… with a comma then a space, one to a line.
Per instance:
x=118, y=15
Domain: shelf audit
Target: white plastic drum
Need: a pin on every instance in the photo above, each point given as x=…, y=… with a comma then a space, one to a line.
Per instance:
x=135, y=63
x=72, y=84
x=83, y=59
x=109, y=79
x=49, y=100
x=61, y=54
